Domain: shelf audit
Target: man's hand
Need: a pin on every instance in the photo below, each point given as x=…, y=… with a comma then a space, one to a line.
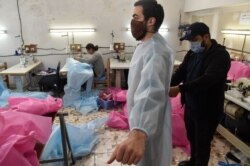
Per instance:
x=173, y=92
x=131, y=150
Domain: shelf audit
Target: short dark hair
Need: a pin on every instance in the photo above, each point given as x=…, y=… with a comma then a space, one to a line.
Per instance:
x=152, y=9
x=90, y=45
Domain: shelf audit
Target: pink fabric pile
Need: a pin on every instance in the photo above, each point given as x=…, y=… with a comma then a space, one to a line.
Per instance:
x=119, y=120
x=21, y=127
x=238, y=70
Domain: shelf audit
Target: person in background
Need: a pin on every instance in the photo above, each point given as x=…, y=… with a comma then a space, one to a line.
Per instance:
x=201, y=81
x=95, y=60
x=149, y=141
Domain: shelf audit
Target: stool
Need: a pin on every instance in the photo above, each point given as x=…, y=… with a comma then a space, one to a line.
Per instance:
x=67, y=151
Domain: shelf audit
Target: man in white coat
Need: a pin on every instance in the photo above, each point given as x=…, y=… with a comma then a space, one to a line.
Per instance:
x=150, y=141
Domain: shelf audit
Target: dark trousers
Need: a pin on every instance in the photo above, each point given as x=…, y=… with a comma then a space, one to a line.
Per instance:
x=200, y=134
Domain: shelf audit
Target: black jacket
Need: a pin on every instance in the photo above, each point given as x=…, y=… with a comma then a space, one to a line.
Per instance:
x=203, y=77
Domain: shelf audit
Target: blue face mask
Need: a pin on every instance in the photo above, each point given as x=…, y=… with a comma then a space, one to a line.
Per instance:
x=196, y=47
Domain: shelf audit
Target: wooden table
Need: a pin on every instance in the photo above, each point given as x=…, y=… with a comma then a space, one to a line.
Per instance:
x=20, y=70
x=118, y=66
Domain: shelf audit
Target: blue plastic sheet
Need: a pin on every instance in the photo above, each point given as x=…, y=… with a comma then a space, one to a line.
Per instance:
x=78, y=73
x=87, y=103
x=82, y=138
x=6, y=93
x=2, y=85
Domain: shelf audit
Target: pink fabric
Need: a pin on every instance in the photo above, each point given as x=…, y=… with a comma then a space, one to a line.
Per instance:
x=3, y=109
x=179, y=135
x=121, y=96
x=118, y=119
x=19, y=133
x=34, y=105
x=118, y=94
x=237, y=70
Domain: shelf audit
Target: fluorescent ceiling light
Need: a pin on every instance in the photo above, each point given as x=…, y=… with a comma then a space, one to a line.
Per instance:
x=63, y=30
x=236, y=32
x=3, y=31
x=160, y=30
x=128, y=29
x=163, y=30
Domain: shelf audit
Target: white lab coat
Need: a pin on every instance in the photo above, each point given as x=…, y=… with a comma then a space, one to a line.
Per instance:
x=148, y=100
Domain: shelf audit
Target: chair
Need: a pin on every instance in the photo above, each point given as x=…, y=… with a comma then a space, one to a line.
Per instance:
x=5, y=78
x=104, y=80
x=51, y=82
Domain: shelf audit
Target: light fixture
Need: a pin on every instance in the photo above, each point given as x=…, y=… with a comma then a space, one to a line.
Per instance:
x=128, y=29
x=160, y=30
x=3, y=31
x=236, y=32
x=163, y=30
x=64, y=30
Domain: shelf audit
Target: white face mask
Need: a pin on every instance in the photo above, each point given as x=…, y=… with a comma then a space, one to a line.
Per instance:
x=196, y=47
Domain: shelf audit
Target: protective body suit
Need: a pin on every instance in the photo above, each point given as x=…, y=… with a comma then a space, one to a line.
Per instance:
x=148, y=100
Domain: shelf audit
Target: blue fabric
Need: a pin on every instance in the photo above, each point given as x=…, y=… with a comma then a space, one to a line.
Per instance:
x=2, y=85
x=78, y=74
x=87, y=103
x=82, y=138
x=6, y=93
x=221, y=163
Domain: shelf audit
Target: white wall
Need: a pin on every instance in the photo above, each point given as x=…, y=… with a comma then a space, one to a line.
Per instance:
x=104, y=15
x=194, y=5
x=224, y=18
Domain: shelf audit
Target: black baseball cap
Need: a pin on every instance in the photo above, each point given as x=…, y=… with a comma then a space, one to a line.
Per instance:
x=197, y=28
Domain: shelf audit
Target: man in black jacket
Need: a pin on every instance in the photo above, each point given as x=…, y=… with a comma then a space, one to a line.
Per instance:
x=201, y=79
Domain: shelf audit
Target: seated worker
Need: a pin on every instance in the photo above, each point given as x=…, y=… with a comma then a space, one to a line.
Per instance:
x=95, y=60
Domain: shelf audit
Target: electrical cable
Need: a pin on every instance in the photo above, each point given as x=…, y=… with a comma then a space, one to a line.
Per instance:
x=7, y=55
x=56, y=49
x=20, y=22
